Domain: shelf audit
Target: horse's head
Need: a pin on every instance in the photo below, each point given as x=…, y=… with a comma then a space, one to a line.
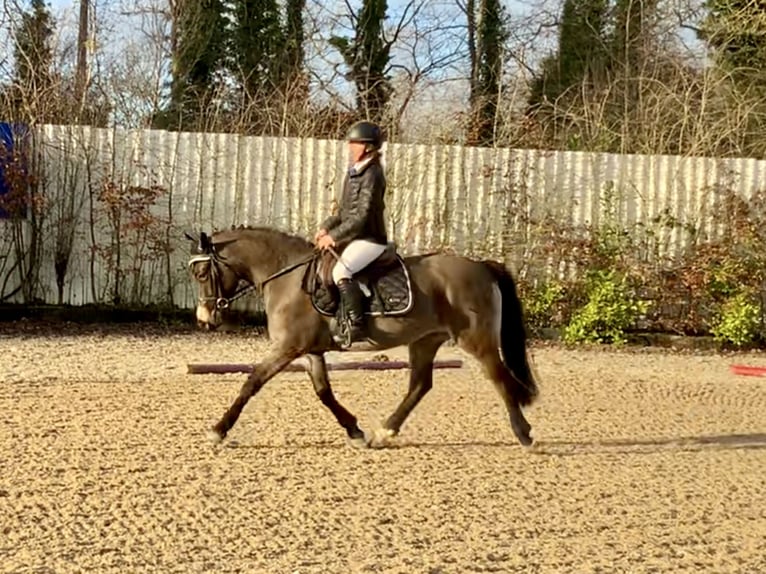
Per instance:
x=217, y=279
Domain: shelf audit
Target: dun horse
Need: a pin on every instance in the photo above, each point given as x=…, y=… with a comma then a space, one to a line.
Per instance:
x=420, y=301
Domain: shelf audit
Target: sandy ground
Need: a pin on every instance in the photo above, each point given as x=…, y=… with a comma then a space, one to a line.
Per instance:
x=646, y=462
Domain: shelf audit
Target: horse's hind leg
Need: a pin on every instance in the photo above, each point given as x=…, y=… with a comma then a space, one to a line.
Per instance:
x=318, y=374
x=505, y=383
x=422, y=353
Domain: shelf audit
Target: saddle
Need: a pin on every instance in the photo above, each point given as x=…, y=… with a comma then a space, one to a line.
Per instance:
x=385, y=284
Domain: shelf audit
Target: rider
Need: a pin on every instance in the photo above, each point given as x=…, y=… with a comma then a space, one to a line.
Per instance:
x=359, y=225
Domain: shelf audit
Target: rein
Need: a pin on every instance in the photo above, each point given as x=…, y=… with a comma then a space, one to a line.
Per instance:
x=224, y=302
x=287, y=270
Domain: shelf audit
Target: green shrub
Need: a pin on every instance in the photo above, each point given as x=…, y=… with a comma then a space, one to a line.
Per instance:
x=611, y=308
x=739, y=320
x=604, y=269
x=541, y=305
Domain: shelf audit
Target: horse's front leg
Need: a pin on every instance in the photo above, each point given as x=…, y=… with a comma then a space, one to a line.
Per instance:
x=273, y=364
x=318, y=373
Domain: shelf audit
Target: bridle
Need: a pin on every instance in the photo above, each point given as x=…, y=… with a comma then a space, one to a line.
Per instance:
x=222, y=302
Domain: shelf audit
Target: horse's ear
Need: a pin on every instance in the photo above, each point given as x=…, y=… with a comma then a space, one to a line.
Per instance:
x=205, y=245
x=194, y=238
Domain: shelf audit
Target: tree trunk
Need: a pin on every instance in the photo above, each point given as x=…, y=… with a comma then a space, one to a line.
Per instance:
x=81, y=76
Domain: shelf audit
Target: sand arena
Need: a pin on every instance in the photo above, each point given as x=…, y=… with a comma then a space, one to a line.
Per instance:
x=645, y=462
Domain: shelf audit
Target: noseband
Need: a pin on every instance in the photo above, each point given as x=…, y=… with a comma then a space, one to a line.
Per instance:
x=221, y=302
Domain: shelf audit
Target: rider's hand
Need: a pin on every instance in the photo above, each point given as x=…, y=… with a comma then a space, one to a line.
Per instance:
x=325, y=241
x=321, y=233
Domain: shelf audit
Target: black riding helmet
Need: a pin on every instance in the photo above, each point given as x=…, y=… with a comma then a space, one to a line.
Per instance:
x=365, y=132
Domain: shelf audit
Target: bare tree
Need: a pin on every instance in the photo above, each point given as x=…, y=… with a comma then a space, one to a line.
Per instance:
x=424, y=42
x=81, y=75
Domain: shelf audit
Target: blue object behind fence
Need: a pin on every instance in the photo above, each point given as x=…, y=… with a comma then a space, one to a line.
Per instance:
x=13, y=138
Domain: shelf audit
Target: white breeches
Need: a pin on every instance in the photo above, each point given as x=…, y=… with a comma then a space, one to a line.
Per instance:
x=358, y=255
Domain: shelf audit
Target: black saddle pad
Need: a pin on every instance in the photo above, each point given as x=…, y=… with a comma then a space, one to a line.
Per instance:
x=387, y=287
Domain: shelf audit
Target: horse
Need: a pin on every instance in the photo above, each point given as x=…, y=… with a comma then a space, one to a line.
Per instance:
x=421, y=301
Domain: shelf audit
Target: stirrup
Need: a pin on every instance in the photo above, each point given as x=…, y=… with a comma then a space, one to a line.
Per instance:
x=347, y=334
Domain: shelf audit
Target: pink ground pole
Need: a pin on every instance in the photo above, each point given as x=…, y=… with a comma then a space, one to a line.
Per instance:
x=748, y=371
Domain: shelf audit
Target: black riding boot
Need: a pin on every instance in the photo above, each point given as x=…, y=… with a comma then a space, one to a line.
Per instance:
x=351, y=300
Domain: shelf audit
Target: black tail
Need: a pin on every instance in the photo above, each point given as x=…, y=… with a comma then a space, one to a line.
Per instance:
x=513, y=334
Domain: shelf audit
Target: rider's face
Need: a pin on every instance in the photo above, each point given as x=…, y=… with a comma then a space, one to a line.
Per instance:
x=356, y=151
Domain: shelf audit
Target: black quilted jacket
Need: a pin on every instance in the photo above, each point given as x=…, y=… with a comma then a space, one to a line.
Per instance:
x=361, y=207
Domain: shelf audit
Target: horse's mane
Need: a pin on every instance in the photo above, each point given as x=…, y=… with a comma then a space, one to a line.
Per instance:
x=277, y=239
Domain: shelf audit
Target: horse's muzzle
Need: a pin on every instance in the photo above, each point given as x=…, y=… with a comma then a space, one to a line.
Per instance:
x=207, y=326
x=208, y=319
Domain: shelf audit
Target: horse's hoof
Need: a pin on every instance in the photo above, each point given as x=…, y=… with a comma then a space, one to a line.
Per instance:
x=526, y=441
x=358, y=442
x=214, y=436
x=381, y=438
x=523, y=437
x=521, y=428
